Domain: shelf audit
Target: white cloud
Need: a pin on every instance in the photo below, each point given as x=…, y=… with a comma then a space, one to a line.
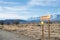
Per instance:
x=16, y=8
x=1, y=8
x=12, y=12
x=4, y=15
x=4, y=2
x=11, y=16
x=15, y=12
x=43, y=2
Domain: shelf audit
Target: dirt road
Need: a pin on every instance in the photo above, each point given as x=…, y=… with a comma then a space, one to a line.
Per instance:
x=4, y=35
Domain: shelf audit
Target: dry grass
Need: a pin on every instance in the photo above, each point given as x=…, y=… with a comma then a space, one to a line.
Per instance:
x=34, y=30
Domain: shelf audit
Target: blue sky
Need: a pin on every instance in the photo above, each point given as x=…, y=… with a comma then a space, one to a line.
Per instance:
x=24, y=9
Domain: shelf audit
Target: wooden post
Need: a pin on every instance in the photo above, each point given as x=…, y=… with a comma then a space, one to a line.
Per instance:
x=49, y=29
x=42, y=25
x=42, y=32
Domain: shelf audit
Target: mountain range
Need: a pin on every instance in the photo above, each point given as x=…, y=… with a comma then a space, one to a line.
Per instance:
x=12, y=21
x=54, y=18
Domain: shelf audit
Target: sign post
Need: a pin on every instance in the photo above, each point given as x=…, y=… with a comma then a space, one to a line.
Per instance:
x=42, y=25
x=46, y=18
x=49, y=28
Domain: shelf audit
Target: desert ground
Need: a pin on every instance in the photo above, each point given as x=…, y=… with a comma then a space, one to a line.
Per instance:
x=4, y=35
x=30, y=31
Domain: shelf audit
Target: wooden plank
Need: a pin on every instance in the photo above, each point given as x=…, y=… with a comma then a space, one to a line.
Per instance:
x=45, y=17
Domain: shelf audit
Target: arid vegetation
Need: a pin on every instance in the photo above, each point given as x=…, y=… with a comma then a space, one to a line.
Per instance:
x=33, y=29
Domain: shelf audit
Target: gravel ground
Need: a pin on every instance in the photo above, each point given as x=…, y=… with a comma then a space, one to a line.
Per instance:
x=5, y=35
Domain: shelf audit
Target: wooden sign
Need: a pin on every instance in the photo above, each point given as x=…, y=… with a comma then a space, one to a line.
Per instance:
x=45, y=17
